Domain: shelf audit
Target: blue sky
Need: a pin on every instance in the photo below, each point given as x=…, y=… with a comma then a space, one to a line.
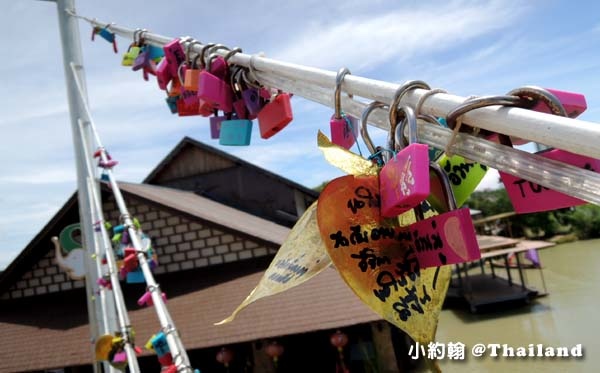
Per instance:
x=465, y=47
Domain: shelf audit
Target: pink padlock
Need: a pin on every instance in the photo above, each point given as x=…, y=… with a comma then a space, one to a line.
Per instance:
x=527, y=196
x=551, y=101
x=175, y=55
x=214, y=90
x=448, y=238
x=163, y=74
x=404, y=180
x=344, y=129
x=146, y=299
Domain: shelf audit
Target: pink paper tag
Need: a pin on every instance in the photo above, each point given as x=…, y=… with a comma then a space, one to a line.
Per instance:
x=404, y=180
x=527, y=196
x=445, y=239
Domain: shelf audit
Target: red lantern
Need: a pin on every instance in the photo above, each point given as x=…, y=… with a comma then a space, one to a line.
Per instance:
x=274, y=350
x=339, y=340
x=224, y=356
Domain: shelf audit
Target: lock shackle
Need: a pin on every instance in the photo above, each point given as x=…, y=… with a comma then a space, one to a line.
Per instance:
x=136, y=33
x=212, y=51
x=232, y=53
x=446, y=186
x=410, y=120
x=247, y=80
x=537, y=94
x=210, y=59
x=393, y=112
x=180, y=73
x=363, y=124
x=235, y=80
x=188, y=54
x=339, y=79
x=201, y=55
x=479, y=102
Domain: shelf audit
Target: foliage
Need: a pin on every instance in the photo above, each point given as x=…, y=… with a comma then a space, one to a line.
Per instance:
x=583, y=220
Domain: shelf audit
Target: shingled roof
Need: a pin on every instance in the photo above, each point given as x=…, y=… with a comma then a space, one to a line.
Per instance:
x=56, y=337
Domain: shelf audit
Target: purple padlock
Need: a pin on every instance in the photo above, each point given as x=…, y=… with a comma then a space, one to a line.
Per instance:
x=215, y=126
x=253, y=101
x=143, y=59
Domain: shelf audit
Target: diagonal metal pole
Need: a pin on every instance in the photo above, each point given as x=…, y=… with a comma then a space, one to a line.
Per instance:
x=180, y=358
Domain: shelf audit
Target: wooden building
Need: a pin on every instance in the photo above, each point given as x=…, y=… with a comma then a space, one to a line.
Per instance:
x=216, y=222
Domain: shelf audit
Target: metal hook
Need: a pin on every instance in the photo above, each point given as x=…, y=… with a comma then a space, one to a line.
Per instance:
x=339, y=79
x=410, y=119
x=480, y=102
x=363, y=124
x=232, y=53
x=135, y=34
x=201, y=55
x=540, y=94
x=188, y=48
x=393, y=111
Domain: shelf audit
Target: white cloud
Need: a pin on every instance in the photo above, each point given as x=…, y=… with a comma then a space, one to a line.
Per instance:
x=364, y=41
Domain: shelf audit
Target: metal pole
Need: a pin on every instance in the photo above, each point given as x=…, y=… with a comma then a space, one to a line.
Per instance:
x=318, y=85
x=180, y=358
x=71, y=48
x=106, y=250
x=576, y=136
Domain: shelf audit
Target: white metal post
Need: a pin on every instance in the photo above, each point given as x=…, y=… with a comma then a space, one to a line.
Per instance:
x=71, y=48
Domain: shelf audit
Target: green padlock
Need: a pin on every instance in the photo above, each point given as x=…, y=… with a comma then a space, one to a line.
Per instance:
x=130, y=56
x=464, y=177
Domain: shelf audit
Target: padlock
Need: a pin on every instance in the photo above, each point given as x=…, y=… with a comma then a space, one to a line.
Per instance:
x=528, y=196
x=253, y=101
x=191, y=77
x=159, y=344
x=120, y=358
x=215, y=125
x=464, y=176
x=163, y=74
x=156, y=53
x=172, y=103
x=275, y=115
x=129, y=57
x=166, y=360
x=218, y=67
x=186, y=110
x=146, y=299
x=171, y=369
x=344, y=131
x=235, y=132
x=448, y=238
x=175, y=55
x=404, y=179
x=550, y=101
x=135, y=277
x=142, y=60
x=215, y=91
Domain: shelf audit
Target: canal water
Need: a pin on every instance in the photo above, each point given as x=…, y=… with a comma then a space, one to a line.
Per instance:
x=567, y=316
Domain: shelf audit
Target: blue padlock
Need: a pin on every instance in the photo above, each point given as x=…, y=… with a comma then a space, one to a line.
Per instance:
x=155, y=53
x=160, y=345
x=136, y=277
x=236, y=132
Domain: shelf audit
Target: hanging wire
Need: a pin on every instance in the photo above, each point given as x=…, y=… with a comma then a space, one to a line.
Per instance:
x=173, y=339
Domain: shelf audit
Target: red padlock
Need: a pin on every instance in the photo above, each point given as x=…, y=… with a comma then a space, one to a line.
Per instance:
x=275, y=115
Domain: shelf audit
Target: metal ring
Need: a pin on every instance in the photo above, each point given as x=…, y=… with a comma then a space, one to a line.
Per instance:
x=141, y=35
x=393, y=109
x=410, y=119
x=425, y=96
x=232, y=53
x=543, y=95
x=187, y=51
x=480, y=102
x=135, y=33
x=339, y=79
x=201, y=55
x=363, y=124
x=213, y=49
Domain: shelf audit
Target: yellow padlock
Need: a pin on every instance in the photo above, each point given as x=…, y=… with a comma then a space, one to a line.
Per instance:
x=130, y=55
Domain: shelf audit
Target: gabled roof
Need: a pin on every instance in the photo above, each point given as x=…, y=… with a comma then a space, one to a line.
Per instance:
x=187, y=142
x=210, y=211
x=195, y=303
